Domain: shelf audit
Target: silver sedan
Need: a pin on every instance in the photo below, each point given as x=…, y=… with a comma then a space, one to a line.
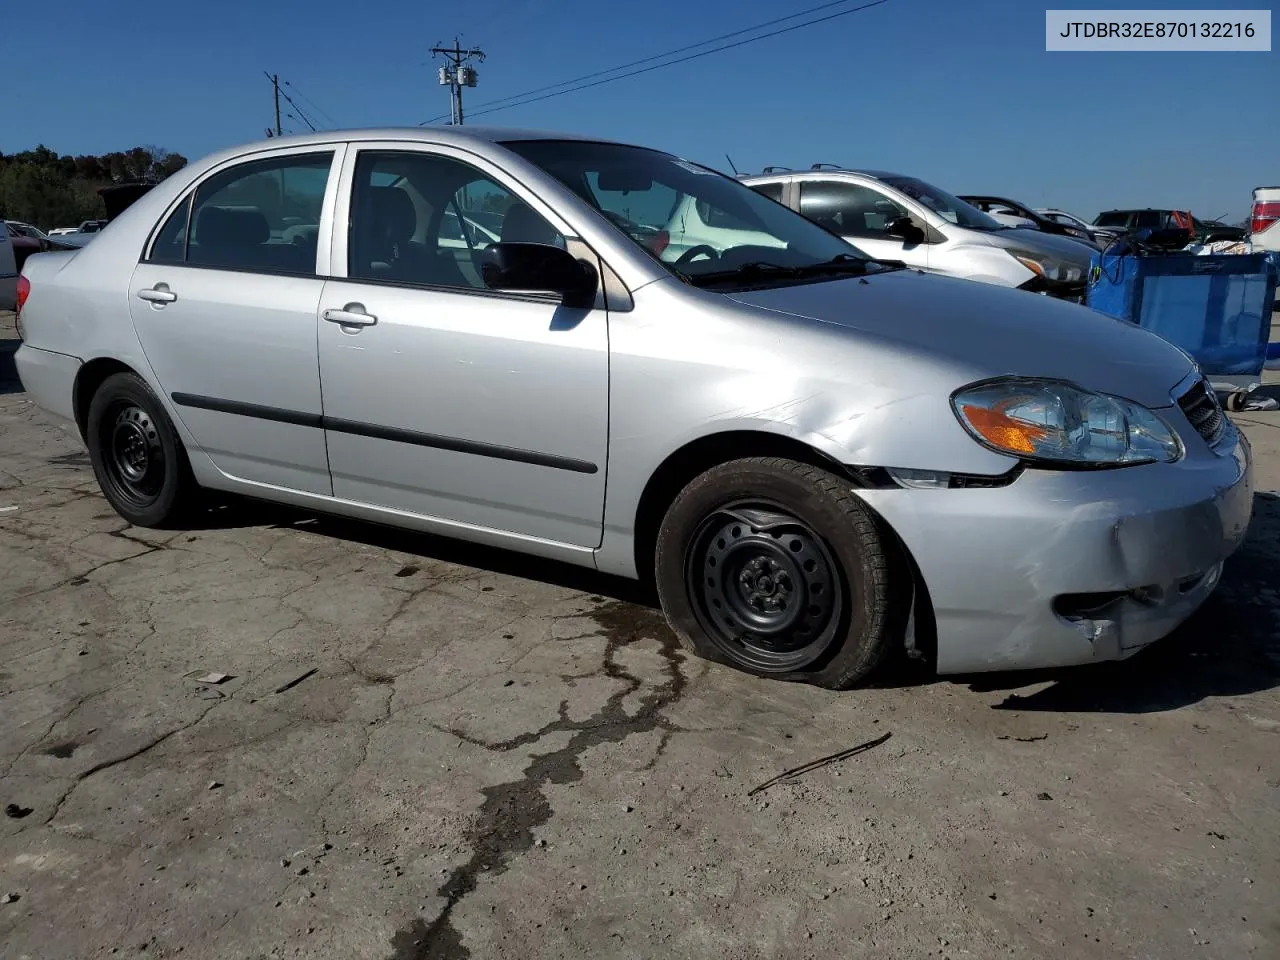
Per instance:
x=513, y=338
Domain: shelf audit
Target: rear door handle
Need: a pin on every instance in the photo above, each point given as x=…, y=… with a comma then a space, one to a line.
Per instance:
x=352, y=315
x=160, y=293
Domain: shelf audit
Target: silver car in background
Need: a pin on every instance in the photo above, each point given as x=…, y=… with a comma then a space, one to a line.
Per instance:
x=896, y=217
x=815, y=457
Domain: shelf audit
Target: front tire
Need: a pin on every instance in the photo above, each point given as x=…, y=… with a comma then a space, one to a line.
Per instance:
x=776, y=567
x=136, y=453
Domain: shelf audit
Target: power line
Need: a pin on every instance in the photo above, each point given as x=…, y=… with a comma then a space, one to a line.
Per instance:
x=301, y=115
x=522, y=99
x=315, y=107
x=659, y=56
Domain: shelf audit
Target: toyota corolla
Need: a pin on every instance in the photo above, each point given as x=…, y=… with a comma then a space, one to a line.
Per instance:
x=817, y=458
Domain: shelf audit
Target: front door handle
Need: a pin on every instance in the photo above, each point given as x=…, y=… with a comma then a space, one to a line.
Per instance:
x=160, y=293
x=352, y=315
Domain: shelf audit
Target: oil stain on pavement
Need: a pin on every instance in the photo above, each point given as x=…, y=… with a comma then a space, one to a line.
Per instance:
x=511, y=811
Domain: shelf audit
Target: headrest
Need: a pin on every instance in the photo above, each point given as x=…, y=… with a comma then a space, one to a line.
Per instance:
x=394, y=218
x=522, y=225
x=223, y=228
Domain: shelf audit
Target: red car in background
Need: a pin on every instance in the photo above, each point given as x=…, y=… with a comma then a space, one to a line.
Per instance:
x=26, y=241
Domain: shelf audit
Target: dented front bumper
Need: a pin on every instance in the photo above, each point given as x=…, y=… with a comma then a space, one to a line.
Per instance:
x=1064, y=568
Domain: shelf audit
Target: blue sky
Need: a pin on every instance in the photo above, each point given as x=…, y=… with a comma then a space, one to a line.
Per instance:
x=959, y=92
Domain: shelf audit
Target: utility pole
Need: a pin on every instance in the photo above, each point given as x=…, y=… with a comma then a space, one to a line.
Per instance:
x=275, y=86
x=457, y=75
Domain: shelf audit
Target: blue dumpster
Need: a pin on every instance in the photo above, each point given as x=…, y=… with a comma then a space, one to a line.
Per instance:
x=1217, y=308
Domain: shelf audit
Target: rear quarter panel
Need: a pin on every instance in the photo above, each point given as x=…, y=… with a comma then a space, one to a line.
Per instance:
x=78, y=304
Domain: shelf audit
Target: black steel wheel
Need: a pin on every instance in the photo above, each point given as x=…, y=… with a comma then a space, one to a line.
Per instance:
x=776, y=567
x=134, y=465
x=136, y=453
x=765, y=587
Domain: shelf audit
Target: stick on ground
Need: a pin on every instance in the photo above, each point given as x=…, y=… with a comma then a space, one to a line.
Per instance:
x=820, y=762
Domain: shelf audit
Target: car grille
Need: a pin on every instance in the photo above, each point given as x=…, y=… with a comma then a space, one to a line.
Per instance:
x=1200, y=405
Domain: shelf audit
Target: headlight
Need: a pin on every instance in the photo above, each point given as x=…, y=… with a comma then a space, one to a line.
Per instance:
x=1047, y=266
x=1055, y=422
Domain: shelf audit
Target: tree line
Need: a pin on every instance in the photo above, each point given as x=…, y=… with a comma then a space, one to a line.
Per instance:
x=42, y=188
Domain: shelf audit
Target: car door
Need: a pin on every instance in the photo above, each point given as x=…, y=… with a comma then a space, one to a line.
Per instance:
x=225, y=304
x=862, y=215
x=443, y=398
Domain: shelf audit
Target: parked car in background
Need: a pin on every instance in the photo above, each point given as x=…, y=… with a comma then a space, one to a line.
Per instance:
x=23, y=245
x=805, y=449
x=1129, y=220
x=1201, y=231
x=1264, y=219
x=27, y=230
x=1002, y=216
x=1214, y=231
x=59, y=231
x=1011, y=208
x=1101, y=236
x=116, y=198
x=8, y=272
x=896, y=217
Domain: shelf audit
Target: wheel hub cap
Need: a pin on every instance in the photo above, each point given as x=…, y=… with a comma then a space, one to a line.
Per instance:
x=767, y=586
x=135, y=458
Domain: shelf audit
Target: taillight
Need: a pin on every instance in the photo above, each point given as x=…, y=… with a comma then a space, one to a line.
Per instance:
x=24, y=291
x=1265, y=213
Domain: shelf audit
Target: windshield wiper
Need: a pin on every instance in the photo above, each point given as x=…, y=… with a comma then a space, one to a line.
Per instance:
x=761, y=270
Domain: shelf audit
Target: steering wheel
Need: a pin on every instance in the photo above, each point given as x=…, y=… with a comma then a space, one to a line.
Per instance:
x=692, y=252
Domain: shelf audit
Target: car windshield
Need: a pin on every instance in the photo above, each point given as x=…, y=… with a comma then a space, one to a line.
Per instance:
x=693, y=220
x=952, y=209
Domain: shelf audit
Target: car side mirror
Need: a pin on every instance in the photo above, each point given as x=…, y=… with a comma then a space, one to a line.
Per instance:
x=538, y=267
x=905, y=230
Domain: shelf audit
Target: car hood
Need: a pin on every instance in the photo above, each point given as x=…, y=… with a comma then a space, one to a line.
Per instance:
x=989, y=331
x=1037, y=241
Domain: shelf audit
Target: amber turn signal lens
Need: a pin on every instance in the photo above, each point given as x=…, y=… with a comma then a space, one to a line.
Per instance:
x=1003, y=431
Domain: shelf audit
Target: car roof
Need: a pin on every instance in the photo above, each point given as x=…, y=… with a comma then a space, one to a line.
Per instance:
x=873, y=174
x=986, y=197
x=425, y=134
x=472, y=136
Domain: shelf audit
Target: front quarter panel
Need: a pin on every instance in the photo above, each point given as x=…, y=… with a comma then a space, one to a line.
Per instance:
x=688, y=364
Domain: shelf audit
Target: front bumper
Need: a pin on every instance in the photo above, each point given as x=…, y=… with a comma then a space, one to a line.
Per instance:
x=1065, y=568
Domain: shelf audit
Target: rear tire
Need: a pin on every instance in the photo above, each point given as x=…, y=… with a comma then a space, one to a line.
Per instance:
x=777, y=568
x=136, y=453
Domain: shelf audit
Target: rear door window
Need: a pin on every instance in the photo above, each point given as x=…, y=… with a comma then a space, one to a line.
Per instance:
x=258, y=217
x=771, y=190
x=849, y=209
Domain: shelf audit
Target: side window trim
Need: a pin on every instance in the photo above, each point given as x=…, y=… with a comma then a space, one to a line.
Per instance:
x=337, y=148
x=185, y=201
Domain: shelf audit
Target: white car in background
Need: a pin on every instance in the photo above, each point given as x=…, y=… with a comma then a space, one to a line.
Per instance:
x=1264, y=219
x=889, y=216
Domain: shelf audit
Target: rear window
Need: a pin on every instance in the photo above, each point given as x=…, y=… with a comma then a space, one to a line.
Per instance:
x=1115, y=218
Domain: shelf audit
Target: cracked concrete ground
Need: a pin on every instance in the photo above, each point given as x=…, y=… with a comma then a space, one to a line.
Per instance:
x=430, y=751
